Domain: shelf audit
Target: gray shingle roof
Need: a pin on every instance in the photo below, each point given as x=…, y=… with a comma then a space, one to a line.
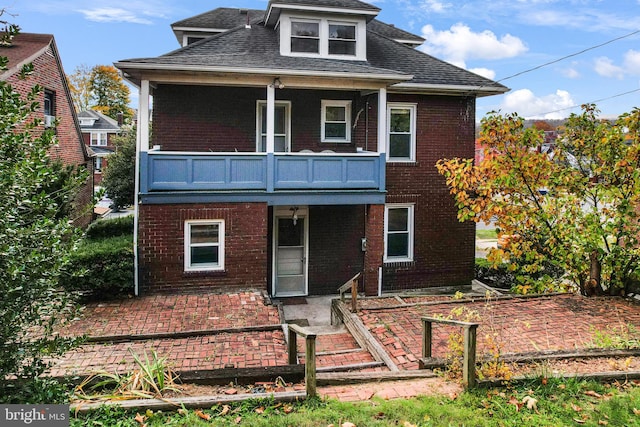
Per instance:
x=393, y=32
x=103, y=123
x=342, y=4
x=221, y=18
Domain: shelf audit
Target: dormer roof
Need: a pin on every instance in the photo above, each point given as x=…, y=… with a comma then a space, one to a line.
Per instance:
x=339, y=7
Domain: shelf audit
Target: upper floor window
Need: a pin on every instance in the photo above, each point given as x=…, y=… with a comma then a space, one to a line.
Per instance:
x=305, y=36
x=342, y=39
x=99, y=138
x=323, y=37
x=98, y=164
x=281, y=128
x=401, y=123
x=336, y=121
x=49, y=108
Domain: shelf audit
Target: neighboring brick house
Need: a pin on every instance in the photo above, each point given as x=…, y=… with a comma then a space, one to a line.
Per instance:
x=295, y=147
x=56, y=107
x=98, y=132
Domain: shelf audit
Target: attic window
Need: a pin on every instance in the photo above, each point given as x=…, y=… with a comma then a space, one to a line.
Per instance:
x=305, y=37
x=342, y=39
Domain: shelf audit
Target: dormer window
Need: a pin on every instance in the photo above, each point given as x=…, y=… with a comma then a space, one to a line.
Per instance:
x=305, y=36
x=323, y=36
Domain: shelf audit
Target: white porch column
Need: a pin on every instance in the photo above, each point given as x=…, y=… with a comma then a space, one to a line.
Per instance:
x=382, y=120
x=271, y=108
x=143, y=116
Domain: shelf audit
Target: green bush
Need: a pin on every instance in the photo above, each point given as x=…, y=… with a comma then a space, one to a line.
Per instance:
x=105, y=228
x=102, y=268
x=499, y=277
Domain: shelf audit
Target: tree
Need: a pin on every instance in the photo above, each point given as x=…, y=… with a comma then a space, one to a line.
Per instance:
x=119, y=177
x=575, y=211
x=80, y=87
x=109, y=93
x=35, y=244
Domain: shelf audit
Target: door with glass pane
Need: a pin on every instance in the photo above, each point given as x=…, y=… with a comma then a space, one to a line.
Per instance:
x=281, y=127
x=290, y=256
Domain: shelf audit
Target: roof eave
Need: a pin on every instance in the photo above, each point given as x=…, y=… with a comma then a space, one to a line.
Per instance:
x=443, y=89
x=273, y=12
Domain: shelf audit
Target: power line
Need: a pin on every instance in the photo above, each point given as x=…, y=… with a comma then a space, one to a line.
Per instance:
x=569, y=56
x=592, y=102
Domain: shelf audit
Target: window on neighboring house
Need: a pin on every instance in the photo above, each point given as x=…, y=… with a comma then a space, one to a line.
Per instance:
x=282, y=127
x=342, y=39
x=336, y=121
x=204, y=245
x=398, y=233
x=305, y=36
x=98, y=164
x=49, y=108
x=99, y=138
x=401, y=122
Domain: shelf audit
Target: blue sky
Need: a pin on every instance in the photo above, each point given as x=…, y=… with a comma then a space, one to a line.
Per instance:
x=497, y=39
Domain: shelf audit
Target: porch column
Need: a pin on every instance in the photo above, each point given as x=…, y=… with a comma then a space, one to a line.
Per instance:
x=382, y=120
x=374, y=232
x=271, y=108
x=143, y=116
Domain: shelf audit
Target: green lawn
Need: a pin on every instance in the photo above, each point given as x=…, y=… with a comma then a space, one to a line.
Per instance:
x=486, y=234
x=557, y=403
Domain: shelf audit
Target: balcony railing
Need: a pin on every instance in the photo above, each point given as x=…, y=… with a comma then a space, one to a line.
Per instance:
x=179, y=171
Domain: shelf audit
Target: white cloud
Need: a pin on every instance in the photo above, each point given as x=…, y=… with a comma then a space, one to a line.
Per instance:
x=632, y=62
x=460, y=43
x=484, y=72
x=527, y=104
x=606, y=68
x=434, y=6
x=570, y=73
x=113, y=14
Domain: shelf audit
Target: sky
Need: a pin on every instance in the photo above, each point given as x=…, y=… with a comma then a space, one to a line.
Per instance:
x=554, y=55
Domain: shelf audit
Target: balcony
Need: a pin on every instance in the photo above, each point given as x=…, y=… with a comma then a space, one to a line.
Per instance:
x=276, y=178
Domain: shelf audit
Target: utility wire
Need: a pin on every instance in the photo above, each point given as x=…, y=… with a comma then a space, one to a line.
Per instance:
x=569, y=56
x=592, y=102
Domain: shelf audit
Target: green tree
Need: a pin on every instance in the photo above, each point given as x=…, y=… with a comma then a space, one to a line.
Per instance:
x=110, y=95
x=80, y=87
x=575, y=211
x=35, y=244
x=118, y=179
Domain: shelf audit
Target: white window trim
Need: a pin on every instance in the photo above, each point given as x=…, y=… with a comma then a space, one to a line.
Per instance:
x=411, y=231
x=414, y=111
x=323, y=31
x=98, y=164
x=100, y=142
x=347, y=118
x=287, y=108
x=187, y=245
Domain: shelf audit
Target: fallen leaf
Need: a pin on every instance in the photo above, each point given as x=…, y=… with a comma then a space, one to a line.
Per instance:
x=579, y=421
x=287, y=409
x=202, y=415
x=347, y=424
x=231, y=391
x=225, y=410
x=576, y=407
x=260, y=410
x=140, y=418
x=593, y=394
x=530, y=402
x=636, y=411
x=238, y=420
x=603, y=423
x=408, y=424
x=183, y=411
x=514, y=401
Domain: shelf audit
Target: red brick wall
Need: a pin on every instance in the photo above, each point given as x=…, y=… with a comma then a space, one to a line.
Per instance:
x=335, y=254
x=161, y=247
x=69, y=149
x=188, y=118
x=375, y=247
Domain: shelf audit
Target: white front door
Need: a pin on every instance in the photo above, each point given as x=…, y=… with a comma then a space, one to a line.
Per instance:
x=290, y=255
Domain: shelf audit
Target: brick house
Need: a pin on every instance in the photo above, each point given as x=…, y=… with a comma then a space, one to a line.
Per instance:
x=296, y=146
x=56, y=107
x=98, y=132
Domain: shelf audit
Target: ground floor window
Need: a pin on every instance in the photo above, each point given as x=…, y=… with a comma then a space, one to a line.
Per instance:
x=398, y=233
x=204, y=245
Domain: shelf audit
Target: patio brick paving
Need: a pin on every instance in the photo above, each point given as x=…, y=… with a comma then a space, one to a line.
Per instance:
x=561, y=322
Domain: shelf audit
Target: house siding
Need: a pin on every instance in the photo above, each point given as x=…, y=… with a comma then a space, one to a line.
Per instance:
x=161, y=247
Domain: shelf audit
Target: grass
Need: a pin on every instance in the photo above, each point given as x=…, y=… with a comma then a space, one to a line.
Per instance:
x=486, y=234
x=538, y=403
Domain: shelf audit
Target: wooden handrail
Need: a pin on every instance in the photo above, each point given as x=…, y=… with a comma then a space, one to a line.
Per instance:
x=469, y=352
x=309, y=355
x=353, y=285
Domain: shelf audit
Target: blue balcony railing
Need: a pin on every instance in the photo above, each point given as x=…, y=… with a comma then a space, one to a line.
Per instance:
x=177, y=171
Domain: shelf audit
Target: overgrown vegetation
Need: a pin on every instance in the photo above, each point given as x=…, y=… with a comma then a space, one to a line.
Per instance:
x=569, y=208
x=557, y=403
x=36, y=241
x=118, y=179
x=102, y=267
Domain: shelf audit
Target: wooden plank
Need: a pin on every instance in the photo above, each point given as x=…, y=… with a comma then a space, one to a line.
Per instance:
x=310, y=366
x=352, y=367
x=426, y=338
x=302, y=331
x=447, y=321
x=179, y=334
x=187, y=402
x=362, y=335
x=293, y=346
x=469, y=356
x=347, y=285
x=354, y=296
x=242, y=375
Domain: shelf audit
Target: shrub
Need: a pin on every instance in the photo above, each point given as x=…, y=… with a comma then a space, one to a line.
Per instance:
x=500, y=277
x=111, y=227
x=102, y=268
